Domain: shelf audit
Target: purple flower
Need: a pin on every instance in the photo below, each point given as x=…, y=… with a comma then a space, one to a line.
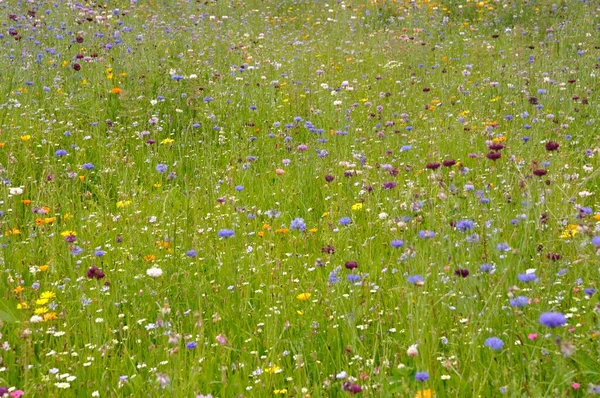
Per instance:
x=596, y=241
x=298, y=223
x=502, y=247
x=527, y=277
x=589, y=291
x=345, y=221
x=95, y=273
x=351, y=387
x=61, y=153
x=465, y=225
x=397, y=243
x=426, y=234
x=239, y=188
x=191, y=253
x=161, y=168
x=552, y=319
x=421, y=376
x=226, y=233
x=99, y=253
x=353, y=278
x=519, y=302
x=487, y=268
x=494, y=343
x=88, y=166
x=191, y=345
x=416, y=280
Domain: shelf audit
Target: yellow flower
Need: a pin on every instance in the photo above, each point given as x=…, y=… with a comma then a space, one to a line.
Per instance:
x=273, y=369
x=41, y=301
x=44, y=268
x=22, y=306
x=68, y=233
x=149, y=258
x=303, y=296
x=41, y=310
x=18, y=289
x=313, y=230
x=48, y=295
x=424, y=394
x=25, y=137
x=569, y=232
x=281, y=391
x=597, y=217
x=49, y=220
x=123, y=203
x=167, y=141
x=357, y=206
x=325, y=214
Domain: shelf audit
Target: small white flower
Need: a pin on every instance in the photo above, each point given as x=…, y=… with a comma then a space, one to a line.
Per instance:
x=95, y=394
x=36, y=319
x=15, y=191
x=154, y=272
x=64, y=386
x=412, y=350
x=445, y=377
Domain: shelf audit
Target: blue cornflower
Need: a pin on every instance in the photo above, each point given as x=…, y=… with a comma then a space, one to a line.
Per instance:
x=596, y=241
x=239, y=188
x=502, y=247
x=527, y=277
x=520, y=301
x=345, y=221
x=421, y=376
x=494, y=343
x=88, y=166
x=191, y=345
x=191, y=253
x=589, y=291
x=397, y=243
x=226, y=233
x=61, y=153
x=487, y=268
x=298, y=223
x=353, y=278
x=465, y=225
x=426, y=234
x=161, y=167
x=99, y=253
x=333, y=278
x=416, y=280
x=552, y=319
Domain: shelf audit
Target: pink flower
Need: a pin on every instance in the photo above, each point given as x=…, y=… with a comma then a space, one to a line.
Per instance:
x=221, y=339
x=16, y=393
x=576, y=385
x=532, y=336
x=279, y=171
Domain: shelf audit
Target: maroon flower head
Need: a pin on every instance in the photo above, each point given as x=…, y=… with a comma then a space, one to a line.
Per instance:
x=351, y=265
x=552, y=146
x=433, y=165
x=540, y=172
x=449, y=163
x=494, y=156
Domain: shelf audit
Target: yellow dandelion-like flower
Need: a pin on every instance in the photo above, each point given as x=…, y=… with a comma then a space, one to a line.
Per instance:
x=44, y=268
x=313, y=230
x=41, y=310
x=18, y=289
x=357, y=206
x=280, y=391
x=41, y=301
x=273, y=369
x=68, y=233
x=149, y=258
x=25, y=137
x=424, y=394
x=167, y=141
x=48, y=295
x=22, y=306
x=123, y=203
x=303, y=296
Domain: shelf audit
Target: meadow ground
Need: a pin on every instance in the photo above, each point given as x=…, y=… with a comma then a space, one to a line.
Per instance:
x=299, y=198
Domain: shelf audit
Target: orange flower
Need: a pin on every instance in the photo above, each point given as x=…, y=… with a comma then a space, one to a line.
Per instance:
x=39, y=221
x=282, y=230
x=261, y=234
x=424, y=394
x=149, y=258
x=116, y=90
x=50, y=316
x=82, y=178
x=26, y=202
x=18, y=289
x=49, y=220
x=44, y=267
x=266, y=227
x=2, y=144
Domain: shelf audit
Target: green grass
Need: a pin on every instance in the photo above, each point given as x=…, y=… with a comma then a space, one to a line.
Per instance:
x=222, y=93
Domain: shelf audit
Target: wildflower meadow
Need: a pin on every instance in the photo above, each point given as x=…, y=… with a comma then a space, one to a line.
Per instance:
x=299, y=198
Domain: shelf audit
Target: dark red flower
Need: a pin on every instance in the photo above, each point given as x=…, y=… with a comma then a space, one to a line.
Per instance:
x=351, y=264
x=433, y=165
x=463, y=273
x=329, y=178
x=552, y=146
x=76, y=66
x=540, y=172
x=496, y=147
x=494, y=156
